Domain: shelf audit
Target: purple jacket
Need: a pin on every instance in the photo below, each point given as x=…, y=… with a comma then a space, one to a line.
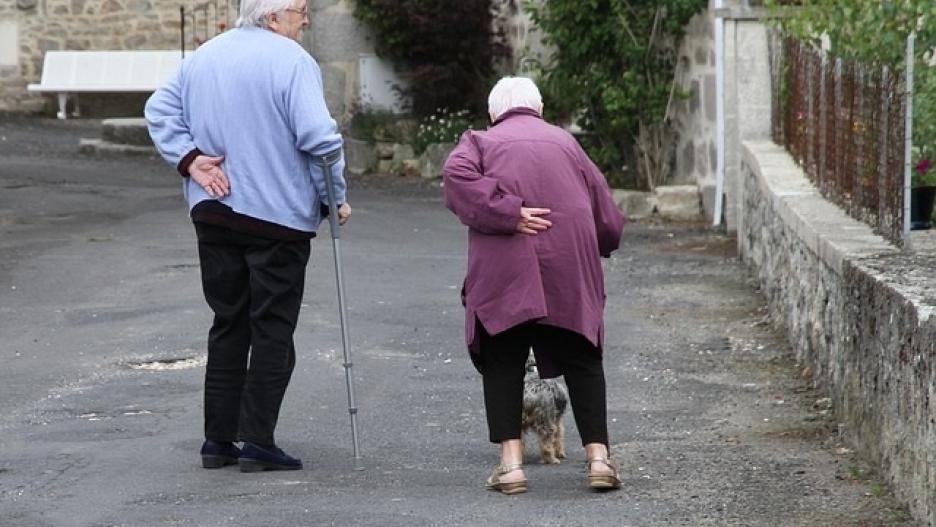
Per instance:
x=555, y=277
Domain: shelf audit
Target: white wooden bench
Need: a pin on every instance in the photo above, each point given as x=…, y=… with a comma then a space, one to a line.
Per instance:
x=69, y=73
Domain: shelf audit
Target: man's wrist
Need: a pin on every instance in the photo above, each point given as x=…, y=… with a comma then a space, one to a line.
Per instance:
x=324, y=210
x=186, y=161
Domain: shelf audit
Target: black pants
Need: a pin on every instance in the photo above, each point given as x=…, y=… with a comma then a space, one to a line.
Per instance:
x=503, y=361
x=254, y=286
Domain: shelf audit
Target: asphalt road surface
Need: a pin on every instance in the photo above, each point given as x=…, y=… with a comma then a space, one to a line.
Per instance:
x=103, y=329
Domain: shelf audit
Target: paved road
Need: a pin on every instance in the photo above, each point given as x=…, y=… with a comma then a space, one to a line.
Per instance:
x=98, y=275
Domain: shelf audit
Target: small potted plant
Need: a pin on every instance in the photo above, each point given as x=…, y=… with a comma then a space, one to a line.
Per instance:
x=922, y=192
x=923, y=178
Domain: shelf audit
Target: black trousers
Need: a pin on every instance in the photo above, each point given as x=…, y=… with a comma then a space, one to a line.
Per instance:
x=254, y=286
x=503, y=365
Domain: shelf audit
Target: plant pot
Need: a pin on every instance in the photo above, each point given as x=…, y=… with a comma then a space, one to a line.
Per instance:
x=921, y=207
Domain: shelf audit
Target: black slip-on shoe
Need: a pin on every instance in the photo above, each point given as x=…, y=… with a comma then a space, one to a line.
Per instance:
x=255, y=458
x=216, y=454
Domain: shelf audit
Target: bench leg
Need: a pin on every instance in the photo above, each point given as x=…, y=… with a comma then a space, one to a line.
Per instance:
x=63, y=101
x=77, y=112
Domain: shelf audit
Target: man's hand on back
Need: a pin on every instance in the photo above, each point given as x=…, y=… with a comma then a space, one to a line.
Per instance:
x=206, y=171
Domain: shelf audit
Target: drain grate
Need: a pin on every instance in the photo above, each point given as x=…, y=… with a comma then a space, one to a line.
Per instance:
x=181, y=363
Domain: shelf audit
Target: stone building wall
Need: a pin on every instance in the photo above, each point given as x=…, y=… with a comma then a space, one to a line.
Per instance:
x=29, y=28
x=858, y=312
x=694, y=116
x=43, y=25
x=336, y=39
x=746, y=98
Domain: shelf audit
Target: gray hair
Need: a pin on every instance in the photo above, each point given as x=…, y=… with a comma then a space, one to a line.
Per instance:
x=254, y=12
x=514, y=92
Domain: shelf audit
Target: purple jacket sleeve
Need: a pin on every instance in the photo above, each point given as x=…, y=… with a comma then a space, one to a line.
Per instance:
x=609, y=221
x=477, y=199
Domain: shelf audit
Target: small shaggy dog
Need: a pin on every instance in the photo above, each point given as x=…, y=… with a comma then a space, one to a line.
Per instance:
x=544, y=403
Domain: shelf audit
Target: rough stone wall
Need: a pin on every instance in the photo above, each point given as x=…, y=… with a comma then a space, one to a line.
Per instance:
x=859, y=314
x=694, y=115
x=746, y=96
x=336, y=39
x=43, y=25
x=889, y=385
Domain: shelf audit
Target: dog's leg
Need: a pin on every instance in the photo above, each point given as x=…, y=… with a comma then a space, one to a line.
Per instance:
x=548, y=445
x=560, y=441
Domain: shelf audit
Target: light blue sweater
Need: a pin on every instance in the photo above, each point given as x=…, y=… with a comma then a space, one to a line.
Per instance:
x=256, y=98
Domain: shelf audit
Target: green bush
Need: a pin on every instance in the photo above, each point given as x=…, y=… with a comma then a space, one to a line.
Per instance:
x=447, y=49
x=612, y=72
x=443, y=126
x=924, y=125
x=371, y=125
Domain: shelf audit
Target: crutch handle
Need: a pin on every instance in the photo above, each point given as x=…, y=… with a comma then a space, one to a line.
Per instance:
x=327, y=161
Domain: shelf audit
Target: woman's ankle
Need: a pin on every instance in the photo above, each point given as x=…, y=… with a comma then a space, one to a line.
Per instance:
x=511, y=452
x=597, y=451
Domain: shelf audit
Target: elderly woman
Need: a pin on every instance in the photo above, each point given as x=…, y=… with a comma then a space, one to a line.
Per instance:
x=539, y=216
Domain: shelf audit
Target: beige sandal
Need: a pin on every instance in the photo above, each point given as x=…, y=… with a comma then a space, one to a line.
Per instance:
x=603, y=481
x=511, y=487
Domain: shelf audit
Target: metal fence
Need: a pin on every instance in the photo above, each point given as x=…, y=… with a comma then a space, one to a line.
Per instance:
x=843, y=122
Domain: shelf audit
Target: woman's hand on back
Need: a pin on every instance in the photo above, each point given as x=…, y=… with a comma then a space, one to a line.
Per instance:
x=530, y=222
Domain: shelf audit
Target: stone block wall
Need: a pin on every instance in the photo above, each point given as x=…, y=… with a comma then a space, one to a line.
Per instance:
x=43, y=25
x=336, y=39
x=746, y=98
x=859, y=314
x=694, y=115
x=29, y=28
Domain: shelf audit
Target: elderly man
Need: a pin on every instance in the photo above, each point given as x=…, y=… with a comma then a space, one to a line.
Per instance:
x=241, y=121
x=539, y=216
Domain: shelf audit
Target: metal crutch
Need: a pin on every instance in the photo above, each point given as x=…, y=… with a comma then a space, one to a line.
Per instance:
x=327, y=162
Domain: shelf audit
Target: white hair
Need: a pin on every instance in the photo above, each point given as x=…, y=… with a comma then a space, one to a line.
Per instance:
x=514, y=92
x=254, y=12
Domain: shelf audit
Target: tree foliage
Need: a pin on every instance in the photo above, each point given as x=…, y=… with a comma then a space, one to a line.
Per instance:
x=612, y=71
x=446, y=49
x=865, y=30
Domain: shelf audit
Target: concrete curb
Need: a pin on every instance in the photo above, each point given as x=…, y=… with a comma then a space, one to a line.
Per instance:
x=99, y=147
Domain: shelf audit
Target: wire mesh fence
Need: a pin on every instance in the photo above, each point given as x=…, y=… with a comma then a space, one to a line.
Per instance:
x=843, y=122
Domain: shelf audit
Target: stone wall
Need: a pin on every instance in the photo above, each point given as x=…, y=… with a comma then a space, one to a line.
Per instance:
x=336, y=39
x=29, y=28
x=858, y=312
x=43, y=25
x=694, y=114
x=746, y=98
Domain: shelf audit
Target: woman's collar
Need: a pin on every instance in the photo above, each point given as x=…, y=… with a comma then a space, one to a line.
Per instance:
x=516, y=111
